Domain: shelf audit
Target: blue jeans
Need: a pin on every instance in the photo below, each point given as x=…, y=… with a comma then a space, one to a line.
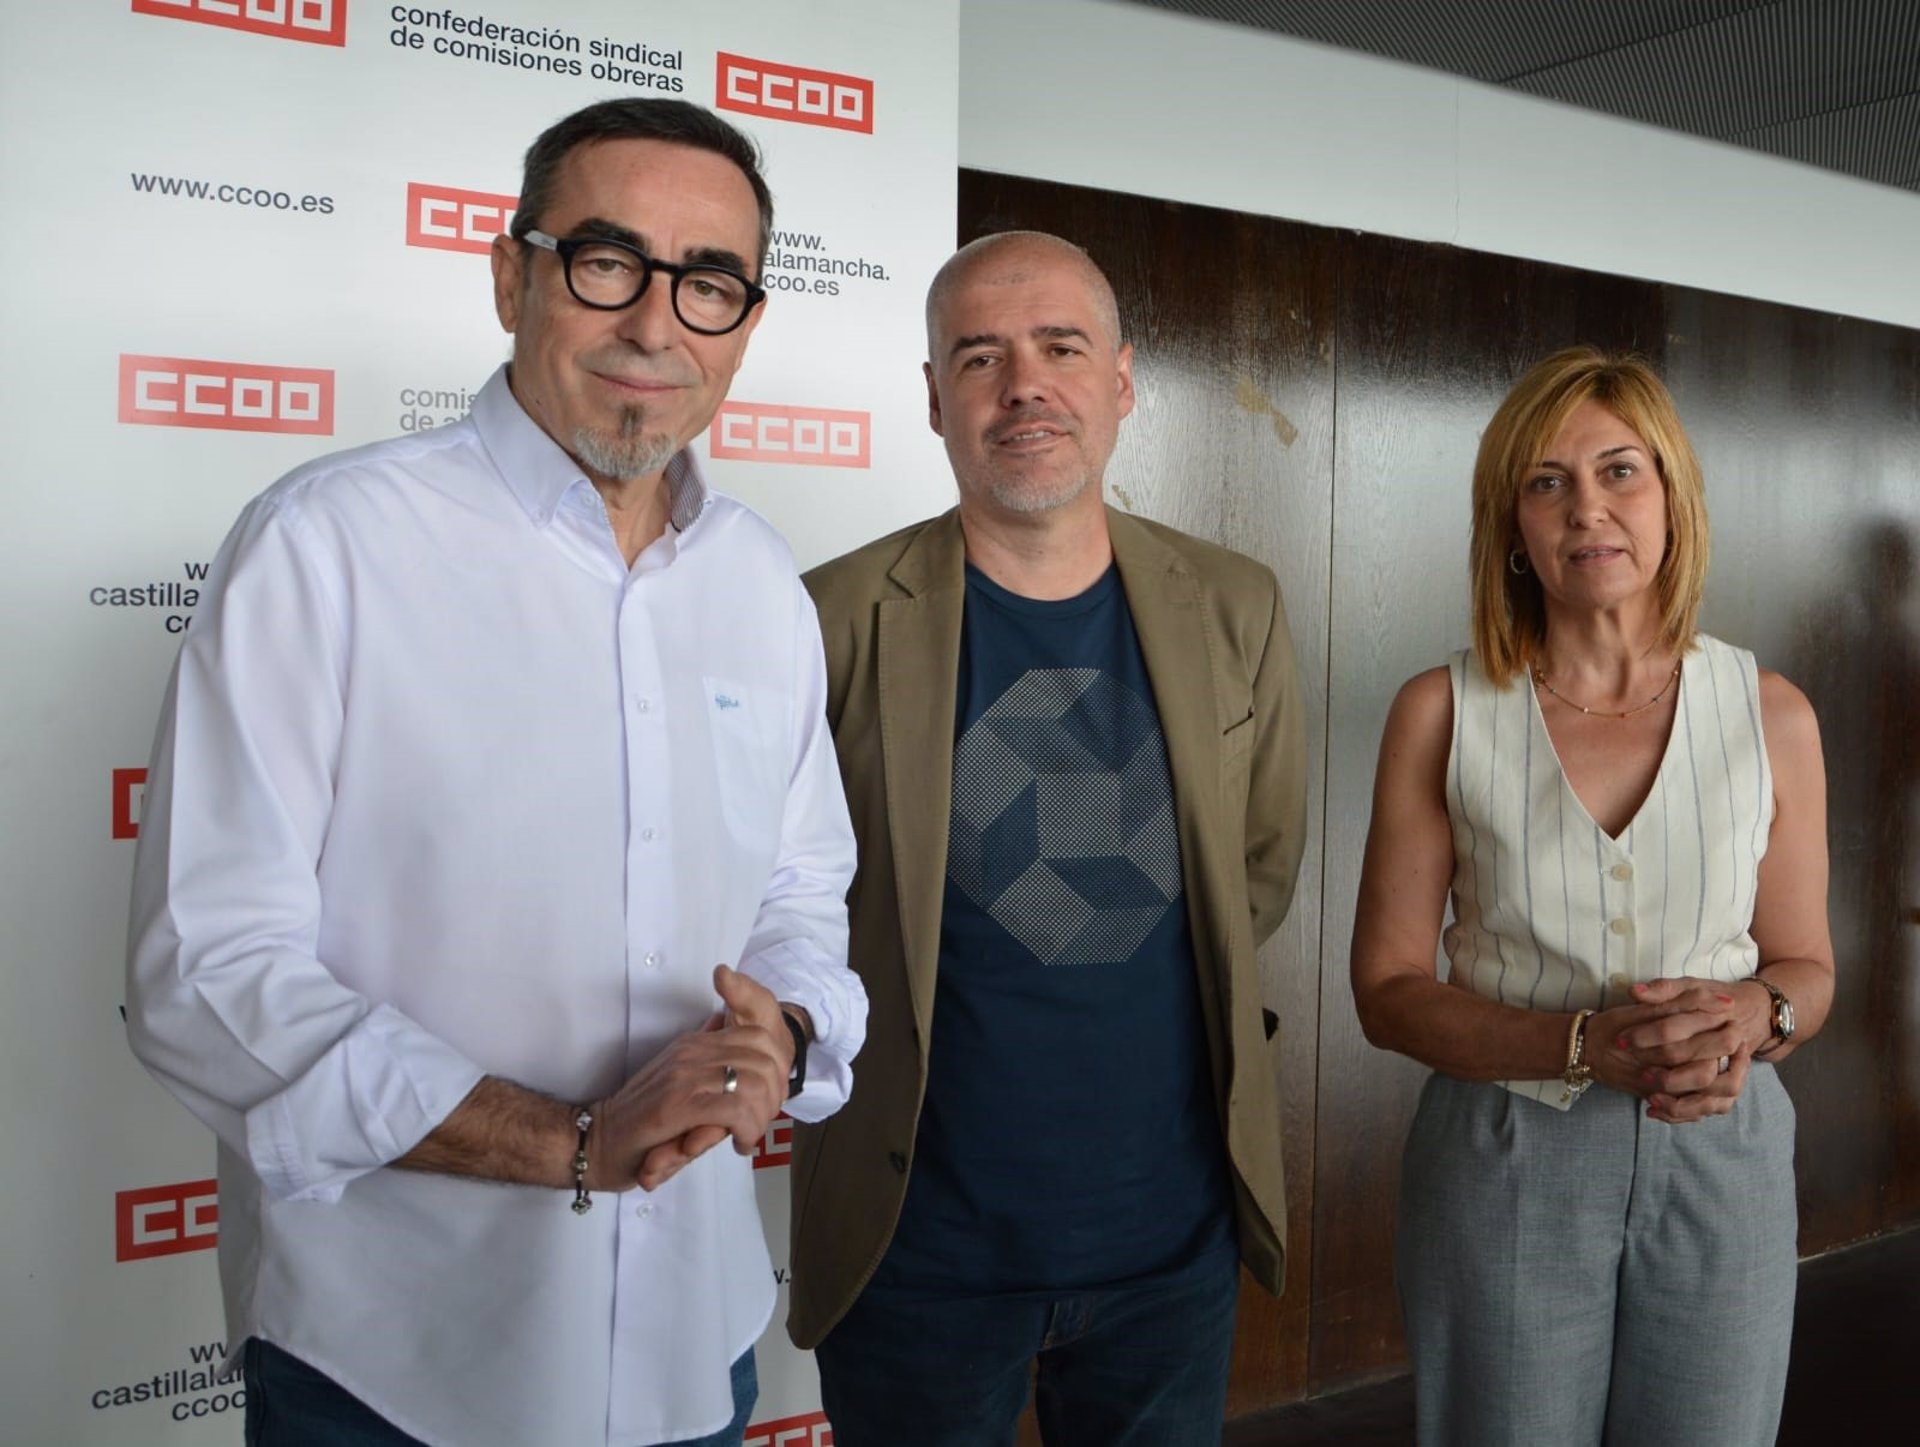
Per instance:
x=289, y=1404
x=1142, y=1364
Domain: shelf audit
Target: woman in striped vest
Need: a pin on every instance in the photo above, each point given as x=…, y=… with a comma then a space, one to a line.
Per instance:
x=1597, y=1225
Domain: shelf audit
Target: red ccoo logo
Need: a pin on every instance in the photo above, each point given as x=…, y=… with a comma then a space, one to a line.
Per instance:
x=236, y=396
x=166, y=1220
x=810, y=1430
x=454, y=220
x=322, y=22
x=764, y=432
x=129, y=793
x=788, y=93
x=775, y=1148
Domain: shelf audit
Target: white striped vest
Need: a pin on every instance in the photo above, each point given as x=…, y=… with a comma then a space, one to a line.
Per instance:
x=1552, y=914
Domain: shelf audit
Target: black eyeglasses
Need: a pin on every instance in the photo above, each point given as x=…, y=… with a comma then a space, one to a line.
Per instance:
x=610, y=276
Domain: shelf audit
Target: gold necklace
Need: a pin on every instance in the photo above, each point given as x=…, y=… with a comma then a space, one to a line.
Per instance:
x=1541, y=679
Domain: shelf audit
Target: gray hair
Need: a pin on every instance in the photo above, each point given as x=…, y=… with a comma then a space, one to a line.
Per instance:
x=975, y=253
x=638, y=118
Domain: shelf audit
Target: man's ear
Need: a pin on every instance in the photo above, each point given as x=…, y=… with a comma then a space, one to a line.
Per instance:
x=509, y=259
x=933, y=400
x=1124, y=364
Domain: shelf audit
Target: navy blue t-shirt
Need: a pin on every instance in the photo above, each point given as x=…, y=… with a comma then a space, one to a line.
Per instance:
x=1068, y=1138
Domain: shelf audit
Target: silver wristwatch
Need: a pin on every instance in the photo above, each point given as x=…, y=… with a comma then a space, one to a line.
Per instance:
x=1782, y=1016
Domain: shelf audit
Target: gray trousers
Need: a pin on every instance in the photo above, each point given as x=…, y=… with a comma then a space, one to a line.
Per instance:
x=1576, y=1278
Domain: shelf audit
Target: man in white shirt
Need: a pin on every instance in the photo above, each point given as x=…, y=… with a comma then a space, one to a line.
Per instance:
x=484, y=747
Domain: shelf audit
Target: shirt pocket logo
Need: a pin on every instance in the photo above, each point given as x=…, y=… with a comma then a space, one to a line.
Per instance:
x=747, y=728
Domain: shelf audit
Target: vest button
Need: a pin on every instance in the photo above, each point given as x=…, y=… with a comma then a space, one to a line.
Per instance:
x=898, y=1161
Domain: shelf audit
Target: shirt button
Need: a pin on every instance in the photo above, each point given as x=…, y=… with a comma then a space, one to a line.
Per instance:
x=1621, y=926
x=1622, y=872
x=646, y=835
x=643, y=705
x=1618, y=981
x=643, y=1210
x=652, y=960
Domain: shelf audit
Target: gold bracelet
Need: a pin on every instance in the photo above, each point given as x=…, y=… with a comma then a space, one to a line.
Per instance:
x=1578, y=1074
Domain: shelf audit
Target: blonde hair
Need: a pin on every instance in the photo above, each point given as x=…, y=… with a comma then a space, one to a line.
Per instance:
x=1509, y=610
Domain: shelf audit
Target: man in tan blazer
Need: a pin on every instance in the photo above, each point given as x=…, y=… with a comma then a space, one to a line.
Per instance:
x=1073, y=750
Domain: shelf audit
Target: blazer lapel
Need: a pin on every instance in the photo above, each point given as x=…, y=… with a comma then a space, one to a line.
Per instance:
x=919, y=658
x=1164, y=597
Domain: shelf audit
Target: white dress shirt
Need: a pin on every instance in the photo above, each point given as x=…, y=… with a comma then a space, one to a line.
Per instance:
x=443, y=789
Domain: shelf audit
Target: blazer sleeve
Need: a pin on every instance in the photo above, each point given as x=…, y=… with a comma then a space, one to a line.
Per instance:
x=1277, y=789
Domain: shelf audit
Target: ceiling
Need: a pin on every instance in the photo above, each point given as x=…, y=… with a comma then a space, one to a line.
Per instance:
x=1833, y=83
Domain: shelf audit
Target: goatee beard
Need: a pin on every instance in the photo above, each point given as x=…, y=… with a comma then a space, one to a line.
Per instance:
x=628, y=453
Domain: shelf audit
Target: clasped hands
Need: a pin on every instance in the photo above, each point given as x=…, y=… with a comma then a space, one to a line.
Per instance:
x=1667, y=1045
x=677, y=1106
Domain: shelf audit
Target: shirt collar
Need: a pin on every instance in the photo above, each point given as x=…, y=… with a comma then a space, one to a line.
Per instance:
x=686, y=490
x=540, y=474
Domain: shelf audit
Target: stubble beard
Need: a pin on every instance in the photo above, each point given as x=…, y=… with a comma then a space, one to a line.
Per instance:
x=1032, y=501
x=1028, y=496
x=1030, y=486
x=629, y=451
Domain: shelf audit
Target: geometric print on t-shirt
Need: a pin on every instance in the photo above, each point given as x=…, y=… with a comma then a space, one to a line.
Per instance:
x=1062, y=827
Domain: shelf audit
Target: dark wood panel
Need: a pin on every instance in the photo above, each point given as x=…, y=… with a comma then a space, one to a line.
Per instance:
x=1808, y=429
x=1315, y=398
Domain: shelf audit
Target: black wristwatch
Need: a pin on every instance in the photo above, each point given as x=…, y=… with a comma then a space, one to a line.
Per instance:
x=1782, y=1016
x=797, y=1077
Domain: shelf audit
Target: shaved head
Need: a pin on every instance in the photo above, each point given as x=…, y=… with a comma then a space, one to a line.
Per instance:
x=1009, y=257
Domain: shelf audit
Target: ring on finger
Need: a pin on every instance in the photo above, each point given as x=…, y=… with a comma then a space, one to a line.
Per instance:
x=1726, y=1064
x=732, y=1082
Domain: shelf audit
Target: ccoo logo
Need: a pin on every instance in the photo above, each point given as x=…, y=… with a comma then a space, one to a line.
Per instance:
x=775, y=1148
x=320, y=22
x=449, y=219
x=235, y=396
x=129, y=793
x=788, y=93
x=809, y=1430
x=765, y=432
x=166, y=1220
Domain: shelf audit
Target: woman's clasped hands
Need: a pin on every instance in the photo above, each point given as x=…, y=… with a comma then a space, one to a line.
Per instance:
x=1683, y=1045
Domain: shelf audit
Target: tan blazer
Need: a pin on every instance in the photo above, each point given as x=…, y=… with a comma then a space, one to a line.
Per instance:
x=1214, y=634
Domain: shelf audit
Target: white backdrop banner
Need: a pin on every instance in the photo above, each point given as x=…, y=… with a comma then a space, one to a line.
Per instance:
x=246, y=232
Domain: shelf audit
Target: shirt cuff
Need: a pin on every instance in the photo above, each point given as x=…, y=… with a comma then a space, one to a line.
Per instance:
x=799, y=972
x=374, y=1096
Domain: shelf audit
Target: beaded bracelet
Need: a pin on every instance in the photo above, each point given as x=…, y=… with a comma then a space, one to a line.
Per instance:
x=582, y=1202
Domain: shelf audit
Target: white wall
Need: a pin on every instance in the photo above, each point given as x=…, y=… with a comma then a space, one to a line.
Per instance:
x=1122, y=97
